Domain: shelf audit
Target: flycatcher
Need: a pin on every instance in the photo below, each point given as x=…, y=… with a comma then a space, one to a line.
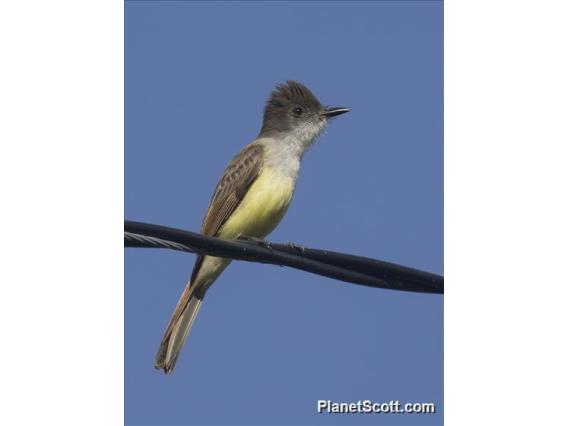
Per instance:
x=251, y=197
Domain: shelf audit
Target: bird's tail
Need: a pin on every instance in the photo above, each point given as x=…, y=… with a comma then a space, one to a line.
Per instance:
x=178, y=328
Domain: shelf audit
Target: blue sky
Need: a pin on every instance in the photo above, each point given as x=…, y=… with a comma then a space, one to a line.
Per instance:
x=269, y=342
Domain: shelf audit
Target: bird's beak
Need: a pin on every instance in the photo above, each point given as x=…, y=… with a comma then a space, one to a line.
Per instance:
x=335, y=111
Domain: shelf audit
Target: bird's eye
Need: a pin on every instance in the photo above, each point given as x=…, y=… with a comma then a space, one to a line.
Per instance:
x=298, y=111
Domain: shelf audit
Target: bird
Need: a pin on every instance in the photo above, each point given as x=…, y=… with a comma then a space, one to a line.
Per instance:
x=251, y=197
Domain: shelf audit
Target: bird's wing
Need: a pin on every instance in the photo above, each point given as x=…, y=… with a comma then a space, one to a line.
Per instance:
x=231, y=189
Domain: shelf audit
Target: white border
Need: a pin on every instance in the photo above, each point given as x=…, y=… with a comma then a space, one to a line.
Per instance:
x=506, y=120
x=61, y=172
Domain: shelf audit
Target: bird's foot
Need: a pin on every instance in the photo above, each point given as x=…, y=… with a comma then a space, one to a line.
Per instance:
x=298, y=247
x=262, y=243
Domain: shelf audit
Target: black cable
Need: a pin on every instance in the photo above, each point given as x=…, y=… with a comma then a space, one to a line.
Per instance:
x=345, y=267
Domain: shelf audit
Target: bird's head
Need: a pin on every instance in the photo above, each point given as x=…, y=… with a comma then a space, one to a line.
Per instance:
x=293, y=111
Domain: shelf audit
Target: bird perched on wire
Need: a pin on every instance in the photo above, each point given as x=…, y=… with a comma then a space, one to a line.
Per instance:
x=251, y=197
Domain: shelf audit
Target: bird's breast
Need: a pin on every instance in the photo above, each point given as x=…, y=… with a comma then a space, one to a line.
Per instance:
x=263, y=206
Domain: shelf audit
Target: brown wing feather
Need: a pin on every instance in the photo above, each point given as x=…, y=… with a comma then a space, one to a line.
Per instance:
x=231, y=189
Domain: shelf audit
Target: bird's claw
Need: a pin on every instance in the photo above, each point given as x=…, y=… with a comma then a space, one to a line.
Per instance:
x=298, y=247
x=262, y=243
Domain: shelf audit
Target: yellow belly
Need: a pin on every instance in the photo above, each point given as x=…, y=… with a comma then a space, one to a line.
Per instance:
x=256, y=216
x=262, y=208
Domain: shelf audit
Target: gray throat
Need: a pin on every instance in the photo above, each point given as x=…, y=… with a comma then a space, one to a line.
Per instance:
x=283, y=154
x=284, y=149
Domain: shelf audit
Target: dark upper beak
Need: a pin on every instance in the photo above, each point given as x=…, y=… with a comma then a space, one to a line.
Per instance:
x=335, y=111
